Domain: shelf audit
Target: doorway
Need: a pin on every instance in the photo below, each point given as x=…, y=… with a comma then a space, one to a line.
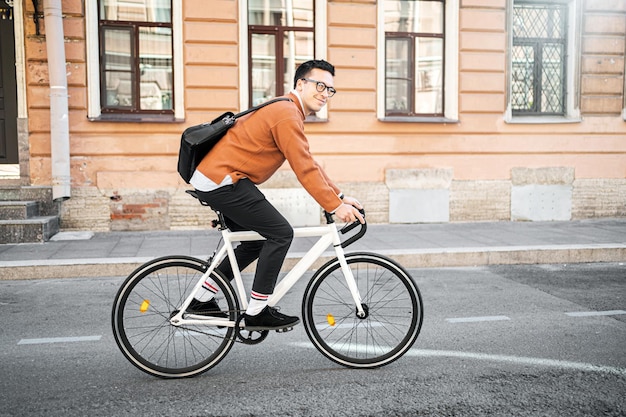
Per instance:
x=8, y=88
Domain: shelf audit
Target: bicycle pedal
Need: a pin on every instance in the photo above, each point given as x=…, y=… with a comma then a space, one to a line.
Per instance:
x=284, y=330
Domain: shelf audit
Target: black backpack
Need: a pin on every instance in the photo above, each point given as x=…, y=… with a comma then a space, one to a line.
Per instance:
x=197, y=141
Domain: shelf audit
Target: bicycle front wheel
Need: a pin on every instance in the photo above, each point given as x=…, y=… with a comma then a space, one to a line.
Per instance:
x=143, y=306
x=390, y=298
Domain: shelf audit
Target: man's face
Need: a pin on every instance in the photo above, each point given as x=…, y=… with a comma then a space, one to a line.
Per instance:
x=314, y=100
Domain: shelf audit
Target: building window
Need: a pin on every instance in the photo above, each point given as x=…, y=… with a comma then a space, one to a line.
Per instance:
x=136, y=56
x=414, y=57
x=281, y=36
x=539, y=59
x=542, y=64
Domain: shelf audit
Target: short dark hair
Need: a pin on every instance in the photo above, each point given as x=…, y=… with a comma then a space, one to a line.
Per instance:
x=305, y=68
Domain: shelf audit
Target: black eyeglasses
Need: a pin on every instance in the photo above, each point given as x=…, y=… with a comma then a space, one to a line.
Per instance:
x=320, y=86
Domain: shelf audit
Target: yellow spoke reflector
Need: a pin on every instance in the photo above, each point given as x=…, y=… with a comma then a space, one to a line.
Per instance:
x=144, y=306
x=330, y=319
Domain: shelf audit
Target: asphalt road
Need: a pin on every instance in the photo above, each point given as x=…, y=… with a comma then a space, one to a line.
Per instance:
x=538, y=340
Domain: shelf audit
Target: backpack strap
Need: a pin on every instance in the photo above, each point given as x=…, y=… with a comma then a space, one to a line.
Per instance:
x=250, y=110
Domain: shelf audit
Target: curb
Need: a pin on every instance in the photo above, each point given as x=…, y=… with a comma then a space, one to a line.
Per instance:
x=409, y=258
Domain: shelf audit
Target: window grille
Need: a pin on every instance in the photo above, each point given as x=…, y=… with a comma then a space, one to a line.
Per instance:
x=539, y=59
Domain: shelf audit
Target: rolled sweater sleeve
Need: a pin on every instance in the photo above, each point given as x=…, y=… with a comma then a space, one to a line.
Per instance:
x=290, y=139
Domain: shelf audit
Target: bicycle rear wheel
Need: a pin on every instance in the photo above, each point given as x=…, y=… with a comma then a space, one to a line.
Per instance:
x=143, y=306
x=392, y=302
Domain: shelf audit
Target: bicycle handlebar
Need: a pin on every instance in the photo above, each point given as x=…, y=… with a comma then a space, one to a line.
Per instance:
x=348, y=227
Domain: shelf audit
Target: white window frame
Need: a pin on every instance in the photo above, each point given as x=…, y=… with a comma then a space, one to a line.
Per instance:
x=451, y=65
x=572, y=102
x=93, y=59
x=320, y=52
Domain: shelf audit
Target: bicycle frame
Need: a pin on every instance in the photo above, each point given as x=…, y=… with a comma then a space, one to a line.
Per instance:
x=328, y=235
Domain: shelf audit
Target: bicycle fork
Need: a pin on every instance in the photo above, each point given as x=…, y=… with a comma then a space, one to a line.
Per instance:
x=354, y=290
x=347, y=273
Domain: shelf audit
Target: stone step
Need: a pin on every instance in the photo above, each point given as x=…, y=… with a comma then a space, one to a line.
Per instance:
x=31, y=192
x=41, y=194
x=10, y=192
x=27, y=214
x=18, y=210
x=33, y=230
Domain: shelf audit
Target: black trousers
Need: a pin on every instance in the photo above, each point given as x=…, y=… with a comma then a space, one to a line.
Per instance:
x=245, y=208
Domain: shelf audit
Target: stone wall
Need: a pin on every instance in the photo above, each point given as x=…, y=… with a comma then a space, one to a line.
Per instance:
x=87, y=209
x=533, y=195
x=480, y=201
x=592, y=198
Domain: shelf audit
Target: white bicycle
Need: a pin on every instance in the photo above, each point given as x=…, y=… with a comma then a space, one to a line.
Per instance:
x=361, y=310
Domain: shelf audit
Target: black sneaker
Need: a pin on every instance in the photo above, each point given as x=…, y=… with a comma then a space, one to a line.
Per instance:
x=206, y=308
x=269, y=319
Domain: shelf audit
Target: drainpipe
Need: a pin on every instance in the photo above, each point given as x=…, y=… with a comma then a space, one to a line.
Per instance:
x=59, y=112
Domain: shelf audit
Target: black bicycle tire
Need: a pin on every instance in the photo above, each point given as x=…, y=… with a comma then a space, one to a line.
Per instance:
x=411, y=330
x=147, y=270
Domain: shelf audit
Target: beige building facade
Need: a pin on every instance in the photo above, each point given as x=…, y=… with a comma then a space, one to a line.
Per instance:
x=480, y=134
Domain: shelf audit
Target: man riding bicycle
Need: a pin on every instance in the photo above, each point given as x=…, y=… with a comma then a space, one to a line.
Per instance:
x=249, y=154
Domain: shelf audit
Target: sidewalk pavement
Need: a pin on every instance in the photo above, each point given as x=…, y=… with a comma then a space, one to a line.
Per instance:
x=85, y=254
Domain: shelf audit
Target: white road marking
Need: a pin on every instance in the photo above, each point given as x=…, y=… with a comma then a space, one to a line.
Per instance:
x=477, y=319
x=522, y=360
x=595, y=313
x=59, y=340
x=519, y=360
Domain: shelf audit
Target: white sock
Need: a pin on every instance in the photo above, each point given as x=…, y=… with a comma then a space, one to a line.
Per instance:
x=257, y=303
x=207, y=291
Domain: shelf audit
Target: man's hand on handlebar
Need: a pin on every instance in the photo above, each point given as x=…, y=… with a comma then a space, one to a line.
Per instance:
x=348, y=212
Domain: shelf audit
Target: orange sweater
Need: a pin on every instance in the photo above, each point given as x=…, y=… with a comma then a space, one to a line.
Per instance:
x=259, y=143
